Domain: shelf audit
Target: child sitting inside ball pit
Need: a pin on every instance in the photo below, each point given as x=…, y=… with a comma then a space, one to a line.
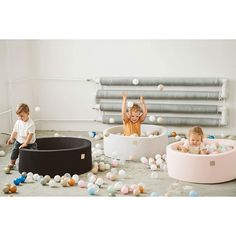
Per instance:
x=194, y=144
x=135, y=116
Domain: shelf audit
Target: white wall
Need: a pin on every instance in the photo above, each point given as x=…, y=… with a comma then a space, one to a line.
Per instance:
x=73, y=59
x=4, y=102
x=15, y=79
x=42, y=63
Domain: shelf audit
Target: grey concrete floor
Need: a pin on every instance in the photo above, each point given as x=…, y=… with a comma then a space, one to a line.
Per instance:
x=136, y=173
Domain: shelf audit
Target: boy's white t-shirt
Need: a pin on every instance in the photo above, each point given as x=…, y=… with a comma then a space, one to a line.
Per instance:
x=193, y=149
x=23, y=129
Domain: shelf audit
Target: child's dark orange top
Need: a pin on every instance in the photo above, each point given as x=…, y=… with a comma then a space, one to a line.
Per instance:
x=132, y=128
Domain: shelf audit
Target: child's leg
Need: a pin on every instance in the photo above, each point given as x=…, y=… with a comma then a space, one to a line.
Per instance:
x=15, y=153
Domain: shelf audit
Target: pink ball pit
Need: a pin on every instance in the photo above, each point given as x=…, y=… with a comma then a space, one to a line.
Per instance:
x=213, y=168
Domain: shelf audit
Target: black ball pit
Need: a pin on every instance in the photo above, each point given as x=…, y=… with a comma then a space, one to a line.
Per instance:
x=57, y=156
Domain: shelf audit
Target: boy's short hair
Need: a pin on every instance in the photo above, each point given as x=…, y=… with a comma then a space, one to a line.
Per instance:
x=196, y=130
x=136, y=108
x=22, y=107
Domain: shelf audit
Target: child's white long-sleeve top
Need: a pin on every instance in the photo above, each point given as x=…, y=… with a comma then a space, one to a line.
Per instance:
x=23, y=129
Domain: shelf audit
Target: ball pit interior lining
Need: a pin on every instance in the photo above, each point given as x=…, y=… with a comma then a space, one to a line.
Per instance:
x=57, y=156
x=213, y=168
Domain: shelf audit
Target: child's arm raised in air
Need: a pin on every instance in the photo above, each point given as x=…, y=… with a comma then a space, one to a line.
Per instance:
x=123, y=112
x=144, y=108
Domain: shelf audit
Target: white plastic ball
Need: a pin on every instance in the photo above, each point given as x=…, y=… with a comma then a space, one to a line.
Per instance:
x=152, y=118
x=111, y=120
x=98, y=146
x=107, y=166
x=92, y=179
x=122, y=173
x=30, y=174
x=102, y=167
x=130, y=104
x=158, y=156
x=37, y=109
x=95, y=163
x=89, y=185
x=144, y=160
x=134, y=186
x=52, y=183
x=67, y=175
x=89, y=174
x=57, y=178
x=36, y=177
x=75, y=178
x=135, y=81
x=99, y=152
x=56, y=135
x=2, y=153
x=114, y=171
x=97, y=137
x=164, y=156
x=118, y=185
x=29, y=179
x=108, y=175
x=106, y=134
x=162, y=166
x=151, y=160
x=177, y=137
x=159, y=161
x=99, y=181
x=160, y=87
x=160, y=120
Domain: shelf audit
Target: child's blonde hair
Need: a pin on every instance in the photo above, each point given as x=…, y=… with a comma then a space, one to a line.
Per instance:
x=135, y=108
x=196, y=130
x=22, y=107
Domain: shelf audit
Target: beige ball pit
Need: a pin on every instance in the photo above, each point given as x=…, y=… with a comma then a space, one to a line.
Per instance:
x=131, y=147
x=213, y=168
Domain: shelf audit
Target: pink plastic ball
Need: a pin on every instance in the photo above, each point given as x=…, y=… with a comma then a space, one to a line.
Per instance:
x=82, y=184
x=125, y=189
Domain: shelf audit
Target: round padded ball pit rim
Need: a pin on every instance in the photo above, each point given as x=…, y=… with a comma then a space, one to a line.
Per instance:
x=57, y=156
x=126, y=146
x=213, y=168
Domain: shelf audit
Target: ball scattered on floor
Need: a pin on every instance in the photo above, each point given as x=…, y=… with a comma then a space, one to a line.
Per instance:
x=7, y=170
x=75, y=177
x=193, y=193
x=57, y=178
x=82, y=184
x=2, y=153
